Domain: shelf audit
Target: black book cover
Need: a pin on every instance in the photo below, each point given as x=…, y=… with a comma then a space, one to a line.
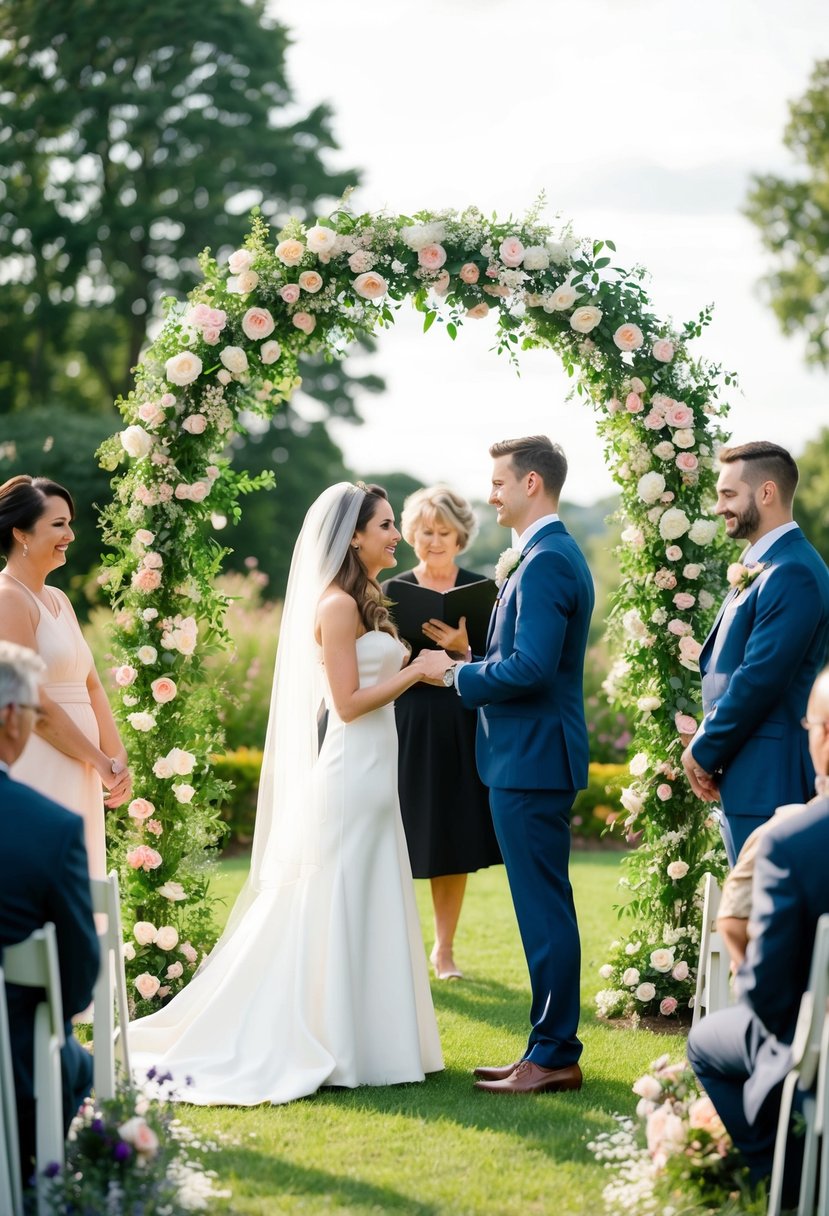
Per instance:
x=413, y=605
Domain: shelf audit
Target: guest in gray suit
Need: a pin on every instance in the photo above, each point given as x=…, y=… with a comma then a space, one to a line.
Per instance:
x=741, y=1055
x=44, y=876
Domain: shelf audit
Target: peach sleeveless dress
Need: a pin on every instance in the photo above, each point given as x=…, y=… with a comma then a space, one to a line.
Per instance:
x=70, y=782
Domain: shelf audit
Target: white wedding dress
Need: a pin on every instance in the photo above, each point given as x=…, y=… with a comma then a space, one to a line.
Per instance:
x=324, y=980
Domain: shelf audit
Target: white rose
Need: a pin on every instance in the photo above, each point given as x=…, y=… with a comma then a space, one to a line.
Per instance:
x=650, y=487
x=147, y=986
x=705, y=600
x=703, y=531
x=648, y=704
x=677, y=869
x=183, y=793
x=136, y=442
x=182, y=762
x=243, y=283
x=633, y=624
x=631, y=977
x=167, y=938
x=141, y=721
x=674, y=523
x=172, y=890
x=692, y=570
x=606, y=971
x=269, y=352
x=631, y=801
x=585, y=318
x=639, y=764
x=632, y=947
x=662, y=959
x=536, y=257
x=239, y=260
x=648, y=1087
x=562, y=298
x=147, y=655
x=684, y=438
x=162, y=768
x=417, y=236
x=234, y=359
x=128, y=951
x=645, y=993
x=183, y=368
x=144, y=932
x=320, y=239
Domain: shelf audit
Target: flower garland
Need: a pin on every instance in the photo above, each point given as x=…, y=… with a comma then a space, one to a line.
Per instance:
x=234, y=347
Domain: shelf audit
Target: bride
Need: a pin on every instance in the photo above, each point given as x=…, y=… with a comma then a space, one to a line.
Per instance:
x=320, y=976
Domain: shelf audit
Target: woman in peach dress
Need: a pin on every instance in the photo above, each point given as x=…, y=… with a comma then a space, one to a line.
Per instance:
x=75, y=752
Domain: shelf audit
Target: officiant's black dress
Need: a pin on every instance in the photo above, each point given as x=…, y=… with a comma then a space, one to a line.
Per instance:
x=444, y=805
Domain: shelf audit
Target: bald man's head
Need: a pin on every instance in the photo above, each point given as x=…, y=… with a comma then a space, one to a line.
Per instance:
x=817, y=714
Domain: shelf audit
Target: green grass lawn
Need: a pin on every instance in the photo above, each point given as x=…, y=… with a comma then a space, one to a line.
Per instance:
x=444, y=1147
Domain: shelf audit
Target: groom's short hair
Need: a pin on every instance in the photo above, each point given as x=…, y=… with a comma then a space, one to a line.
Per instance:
x=765, y=461
x=535, y=454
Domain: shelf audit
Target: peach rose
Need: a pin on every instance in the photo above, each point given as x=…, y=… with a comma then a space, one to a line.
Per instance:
x=239, y=261
x=309, y=281
x=370, y=286
x=469, y=273
x=183, y=368
x=146, y=580
x=163, y=689
x=141, y=808
x=511, y=251
x=290, y=252
x=243, y=283
x=257, y=323
x=223, y=376
x=234, y=359
x=662, y=350
x=147, y=985
x=175, y=971
x=166, y=938
x=144, y=858
x=628, y=337
x=269, y=352
x=290, y=293
x=124, y=676
x=144, y=932
x=199, y=491
x=585, y=319
x=478, y=311
x=305, y=322
x=431, y=257
x=702, y=1115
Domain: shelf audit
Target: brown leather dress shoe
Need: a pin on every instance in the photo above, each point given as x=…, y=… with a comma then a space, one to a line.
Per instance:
x=529, y=1078
x=495, y=1074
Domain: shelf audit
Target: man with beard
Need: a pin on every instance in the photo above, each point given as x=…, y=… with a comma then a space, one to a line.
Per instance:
x=760, y=660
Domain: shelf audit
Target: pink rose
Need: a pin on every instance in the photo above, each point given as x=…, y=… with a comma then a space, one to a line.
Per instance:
x=163, y=689
x=469, y=273
x=673, y=553
x=175, y=971
x=194, y=424
x=614, y=405
x=431, y=257
x=309, y=281
x=679, y=415
x=665, y=579
x=370, y=286
x=146, y=580
x=684, y=600
x=628, y=337
x=137, y=1132
x=147, y=985
x=638, y=386
x=144, y=858
x=668, y=1006
x=153, y=825
x=679, y=628
x=654, y=421
x=664, y=792
x=305, y=322
x=689, y=652
x=144, y=932
x=269, y=352
x=685, y=724
x=478, y=311
x=234, y=359
x=199, y=491
x=633, y=403
x=702, y=1115
x=124, y=676
x=511, y=251
x=257, y=323
x=360, y=261
x=189, y=952
x=150, y=413
x=290, y=293
x=162, y=768
x=240, y=260
x=662, y=350
x=141, y=808
x=687, y=461
x=680, y=971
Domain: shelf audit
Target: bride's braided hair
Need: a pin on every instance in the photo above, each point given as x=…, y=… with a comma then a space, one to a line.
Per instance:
x=352, y=577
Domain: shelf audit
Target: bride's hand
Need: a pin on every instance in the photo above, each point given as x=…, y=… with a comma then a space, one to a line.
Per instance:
x=454, y=641
x=430, y=666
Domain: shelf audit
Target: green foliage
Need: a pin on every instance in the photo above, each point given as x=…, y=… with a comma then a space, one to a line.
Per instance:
x=812, y=501
x=792, y=215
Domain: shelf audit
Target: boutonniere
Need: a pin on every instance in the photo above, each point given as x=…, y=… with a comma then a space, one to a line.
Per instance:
x=741, y=577
x=509, y=561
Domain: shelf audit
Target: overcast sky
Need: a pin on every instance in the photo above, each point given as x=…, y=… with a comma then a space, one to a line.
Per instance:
x=641, y=121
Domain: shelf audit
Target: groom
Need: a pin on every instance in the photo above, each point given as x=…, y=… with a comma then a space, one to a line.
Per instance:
x=532, y=747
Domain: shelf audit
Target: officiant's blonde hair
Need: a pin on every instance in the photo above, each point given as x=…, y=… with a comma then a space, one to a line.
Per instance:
x=444, y=506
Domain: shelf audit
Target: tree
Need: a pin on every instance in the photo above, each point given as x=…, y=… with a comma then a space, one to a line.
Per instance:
x=127, y=146
x=792, y=215
x=812, y=502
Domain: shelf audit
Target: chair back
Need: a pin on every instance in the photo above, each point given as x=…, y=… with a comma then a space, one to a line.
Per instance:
x=714, y=966
x=11, y=1196
x=33, y=963
x=813, y=1006
x=111, y=1011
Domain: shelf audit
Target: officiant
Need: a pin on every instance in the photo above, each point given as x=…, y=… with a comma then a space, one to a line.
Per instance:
x=445, y=807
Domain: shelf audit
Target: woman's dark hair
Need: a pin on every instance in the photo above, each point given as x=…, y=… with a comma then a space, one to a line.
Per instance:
x=23, y=501
x=353, y=578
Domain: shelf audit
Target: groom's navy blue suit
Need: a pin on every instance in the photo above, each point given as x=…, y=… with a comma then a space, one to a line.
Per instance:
x=758, y=665
x=532, y=752
x=44, y=876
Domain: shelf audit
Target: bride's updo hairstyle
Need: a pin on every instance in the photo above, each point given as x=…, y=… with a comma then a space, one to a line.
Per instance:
x=22, y=502
x=352, y=576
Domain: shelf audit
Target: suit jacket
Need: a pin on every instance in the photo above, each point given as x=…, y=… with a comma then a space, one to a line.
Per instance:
x=44, y=876
x=758, y=665
x=790, y=893
x=529, y=687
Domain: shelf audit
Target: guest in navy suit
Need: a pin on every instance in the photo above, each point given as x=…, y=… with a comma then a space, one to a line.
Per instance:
x=761, y=657
x=532, y=747
x=742, y=1054
x=44, y=876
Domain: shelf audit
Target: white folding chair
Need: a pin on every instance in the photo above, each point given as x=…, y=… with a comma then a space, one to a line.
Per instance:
x=11, y=1191
x=111, y=1013
x=714, y=966
x=808, y=1074
x=34, y=964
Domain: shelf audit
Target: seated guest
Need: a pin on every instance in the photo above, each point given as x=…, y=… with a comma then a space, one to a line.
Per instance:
x=741, y=1055
x=44, y=876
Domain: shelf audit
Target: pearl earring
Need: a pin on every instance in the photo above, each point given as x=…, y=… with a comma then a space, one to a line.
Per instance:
x=25, y=549
x=356, y=548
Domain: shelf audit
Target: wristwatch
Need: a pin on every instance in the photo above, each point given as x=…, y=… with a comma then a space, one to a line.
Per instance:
x=449, y=676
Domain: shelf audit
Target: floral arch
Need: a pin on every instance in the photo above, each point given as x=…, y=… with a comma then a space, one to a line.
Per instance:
x=235, y=346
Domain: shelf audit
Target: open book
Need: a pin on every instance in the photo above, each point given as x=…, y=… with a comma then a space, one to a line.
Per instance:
x=412, y=605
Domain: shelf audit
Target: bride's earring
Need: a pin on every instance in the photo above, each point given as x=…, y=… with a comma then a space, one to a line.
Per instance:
x=356, y=548
x=25, y=549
